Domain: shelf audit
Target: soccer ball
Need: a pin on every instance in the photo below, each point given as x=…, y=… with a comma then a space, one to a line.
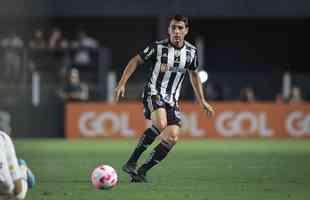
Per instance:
x=104, y=177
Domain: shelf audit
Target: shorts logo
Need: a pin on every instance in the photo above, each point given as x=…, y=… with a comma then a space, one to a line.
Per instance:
x=158, y=100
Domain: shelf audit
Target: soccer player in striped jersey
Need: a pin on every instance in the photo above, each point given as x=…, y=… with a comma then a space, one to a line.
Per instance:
x=170, y=59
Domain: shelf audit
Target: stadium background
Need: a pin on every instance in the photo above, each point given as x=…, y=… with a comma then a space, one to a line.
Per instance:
x=244, y=44
x=258, y=44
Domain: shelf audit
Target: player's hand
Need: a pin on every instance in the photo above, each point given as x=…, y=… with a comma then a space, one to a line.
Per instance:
x=119, y=92
x=208, y=108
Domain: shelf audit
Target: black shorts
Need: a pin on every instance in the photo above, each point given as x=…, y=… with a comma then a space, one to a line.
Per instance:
x=154, y=102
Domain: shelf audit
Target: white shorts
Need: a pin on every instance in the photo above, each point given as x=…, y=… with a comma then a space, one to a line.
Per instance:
x=9, y=168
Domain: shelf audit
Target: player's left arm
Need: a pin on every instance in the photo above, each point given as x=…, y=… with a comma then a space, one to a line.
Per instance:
x=197, y=85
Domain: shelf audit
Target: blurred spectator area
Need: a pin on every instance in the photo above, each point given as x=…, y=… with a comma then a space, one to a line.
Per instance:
x=51, y=65
x=239, y=52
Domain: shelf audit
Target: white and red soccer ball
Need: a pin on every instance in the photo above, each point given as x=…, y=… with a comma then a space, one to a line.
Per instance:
x=104, y=177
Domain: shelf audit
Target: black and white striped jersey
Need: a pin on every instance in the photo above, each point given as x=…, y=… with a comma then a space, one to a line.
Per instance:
x=169, y=65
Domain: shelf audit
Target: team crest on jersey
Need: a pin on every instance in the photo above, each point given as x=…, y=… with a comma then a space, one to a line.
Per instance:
x=177, y=53
x=164, y=67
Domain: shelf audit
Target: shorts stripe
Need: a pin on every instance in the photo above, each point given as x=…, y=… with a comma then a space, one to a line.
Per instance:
x=150, y=104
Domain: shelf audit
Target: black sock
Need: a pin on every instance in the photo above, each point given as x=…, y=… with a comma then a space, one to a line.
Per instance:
x=146, y=139
x=158, y=154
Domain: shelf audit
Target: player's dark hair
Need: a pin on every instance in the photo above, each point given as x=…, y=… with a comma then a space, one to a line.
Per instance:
x=179, y=17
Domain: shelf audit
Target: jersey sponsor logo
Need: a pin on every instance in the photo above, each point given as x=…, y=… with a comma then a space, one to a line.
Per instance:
x=164, y=67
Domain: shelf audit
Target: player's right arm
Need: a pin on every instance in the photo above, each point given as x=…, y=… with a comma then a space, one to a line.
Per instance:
x=129, y=70
x=147, y=54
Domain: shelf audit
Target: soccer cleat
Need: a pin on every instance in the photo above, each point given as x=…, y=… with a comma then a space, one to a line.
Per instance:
x=130, y=168
x=31, y=180
x=139, y=178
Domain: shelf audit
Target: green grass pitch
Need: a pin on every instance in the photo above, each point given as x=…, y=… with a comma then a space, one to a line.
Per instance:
x=194, y=170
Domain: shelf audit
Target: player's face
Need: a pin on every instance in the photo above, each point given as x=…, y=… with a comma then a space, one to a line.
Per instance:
x=177, y=31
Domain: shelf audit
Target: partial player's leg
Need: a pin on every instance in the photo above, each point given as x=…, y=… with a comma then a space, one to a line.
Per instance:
x=168, y=140
x=145, y=140
x=153, y=110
